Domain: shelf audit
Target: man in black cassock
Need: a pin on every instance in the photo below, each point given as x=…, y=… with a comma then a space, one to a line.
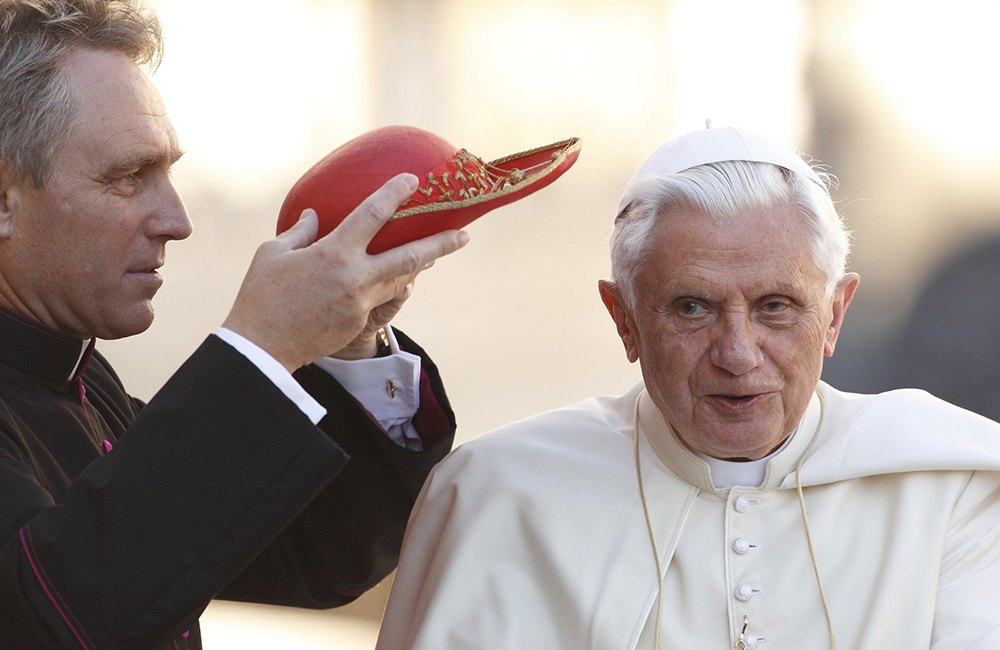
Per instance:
x=120, y=521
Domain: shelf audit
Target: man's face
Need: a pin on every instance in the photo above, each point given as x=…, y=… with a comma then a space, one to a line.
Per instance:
x=81, y=254
x=730, y=326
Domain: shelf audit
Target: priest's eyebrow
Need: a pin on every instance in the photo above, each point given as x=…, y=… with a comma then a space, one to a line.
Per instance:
x=141, y=161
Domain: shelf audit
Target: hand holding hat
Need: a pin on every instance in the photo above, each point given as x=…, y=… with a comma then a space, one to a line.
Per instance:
x=318, y=287
x=304, y=298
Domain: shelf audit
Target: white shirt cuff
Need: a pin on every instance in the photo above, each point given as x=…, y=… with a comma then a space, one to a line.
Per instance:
x=388, y=387
x=276, y=372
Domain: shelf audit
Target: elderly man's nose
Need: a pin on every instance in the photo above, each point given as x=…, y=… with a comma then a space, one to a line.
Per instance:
x=735, y=350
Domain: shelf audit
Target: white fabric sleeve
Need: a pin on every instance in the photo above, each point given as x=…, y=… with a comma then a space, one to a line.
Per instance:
x=388, y=387
x=967, y=610
x=276, y=372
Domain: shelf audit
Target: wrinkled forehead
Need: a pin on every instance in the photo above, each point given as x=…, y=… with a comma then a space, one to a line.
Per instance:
x=104, y=83
x=766, y=249
x=118, y=111
x=712, y=146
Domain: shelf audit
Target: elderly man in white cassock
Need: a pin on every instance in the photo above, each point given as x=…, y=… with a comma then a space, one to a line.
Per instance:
x=731, y=499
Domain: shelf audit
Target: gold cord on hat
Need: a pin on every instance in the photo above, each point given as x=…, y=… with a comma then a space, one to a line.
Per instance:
x=508, y=177
x=470, y=177
x=465, y=179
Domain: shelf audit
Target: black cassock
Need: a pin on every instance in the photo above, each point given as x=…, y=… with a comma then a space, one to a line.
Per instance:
x=219, y=487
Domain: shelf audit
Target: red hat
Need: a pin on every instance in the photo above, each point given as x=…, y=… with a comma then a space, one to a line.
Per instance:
x=455, y=187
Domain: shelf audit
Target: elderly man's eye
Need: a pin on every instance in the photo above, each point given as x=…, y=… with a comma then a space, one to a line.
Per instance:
x=775, y=306
x=690, y=308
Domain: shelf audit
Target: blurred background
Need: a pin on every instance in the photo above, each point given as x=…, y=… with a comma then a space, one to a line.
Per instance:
x=899, y=97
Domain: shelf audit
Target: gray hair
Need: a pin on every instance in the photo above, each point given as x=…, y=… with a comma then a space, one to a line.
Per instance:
x=36, y=36
x=722, y=191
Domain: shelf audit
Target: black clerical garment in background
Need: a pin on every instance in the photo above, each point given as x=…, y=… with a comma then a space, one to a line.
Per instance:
x=219, y=487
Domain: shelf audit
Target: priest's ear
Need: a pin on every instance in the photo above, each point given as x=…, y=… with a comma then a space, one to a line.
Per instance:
x=10, y=199
x=611, y=295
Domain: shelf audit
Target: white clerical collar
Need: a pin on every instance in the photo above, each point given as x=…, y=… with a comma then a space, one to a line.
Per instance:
x=729, y=473
x=697, y=471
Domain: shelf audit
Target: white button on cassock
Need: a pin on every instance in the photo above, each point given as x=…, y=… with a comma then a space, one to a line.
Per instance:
x=745, y=592
x=742, y=504
x=741, y=546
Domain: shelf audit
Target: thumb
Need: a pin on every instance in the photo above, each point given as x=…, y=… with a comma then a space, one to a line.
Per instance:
x=303, y=232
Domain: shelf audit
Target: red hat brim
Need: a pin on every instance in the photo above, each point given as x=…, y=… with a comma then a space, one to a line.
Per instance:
x=455, y=186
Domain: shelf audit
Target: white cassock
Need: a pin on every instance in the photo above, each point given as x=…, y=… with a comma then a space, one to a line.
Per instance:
x=534, y=537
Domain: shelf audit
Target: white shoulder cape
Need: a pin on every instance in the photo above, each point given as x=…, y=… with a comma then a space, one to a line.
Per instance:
x=536, y=531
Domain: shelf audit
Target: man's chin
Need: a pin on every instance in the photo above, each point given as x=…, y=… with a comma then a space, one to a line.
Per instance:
x=752, y=441
x=124, y=324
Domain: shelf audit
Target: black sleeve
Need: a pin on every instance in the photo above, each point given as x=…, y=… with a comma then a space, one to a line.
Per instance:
x=212, y=470
x=349, y=537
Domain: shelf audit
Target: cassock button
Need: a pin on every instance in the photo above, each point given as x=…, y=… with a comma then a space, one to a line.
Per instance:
x=745, y=592
x=105, y=446
x=742, y=504
x=752, y=640
x=741, y=546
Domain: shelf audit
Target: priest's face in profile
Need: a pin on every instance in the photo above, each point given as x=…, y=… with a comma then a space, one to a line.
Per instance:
x=86, y=247
x=730, y=324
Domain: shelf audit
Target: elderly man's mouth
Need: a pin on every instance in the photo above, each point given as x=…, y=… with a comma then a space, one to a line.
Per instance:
x=736, y=402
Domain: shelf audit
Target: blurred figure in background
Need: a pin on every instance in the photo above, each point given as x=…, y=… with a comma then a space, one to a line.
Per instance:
x=120, y=521
x=950, y=345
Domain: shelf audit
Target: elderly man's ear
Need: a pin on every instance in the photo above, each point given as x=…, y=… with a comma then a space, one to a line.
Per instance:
x=612, y=298
x=10, y=200
x=842, y=296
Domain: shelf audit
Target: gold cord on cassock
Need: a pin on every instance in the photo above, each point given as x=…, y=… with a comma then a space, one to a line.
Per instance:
x=649, y=525
x=742, y=643
x=805, y=520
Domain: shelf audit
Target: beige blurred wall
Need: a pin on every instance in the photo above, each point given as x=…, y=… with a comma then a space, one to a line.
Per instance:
x=898, y=97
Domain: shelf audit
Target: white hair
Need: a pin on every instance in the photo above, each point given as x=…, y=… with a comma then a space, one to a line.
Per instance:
x=723, y=191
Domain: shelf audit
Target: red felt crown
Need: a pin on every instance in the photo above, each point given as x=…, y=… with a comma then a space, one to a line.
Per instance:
x=455, y=187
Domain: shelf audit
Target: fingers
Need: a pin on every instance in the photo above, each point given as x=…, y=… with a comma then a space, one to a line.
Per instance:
x=403, y=288
x=302, y=233
x=417, y=255
x=367, y=219
x=389, y=297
